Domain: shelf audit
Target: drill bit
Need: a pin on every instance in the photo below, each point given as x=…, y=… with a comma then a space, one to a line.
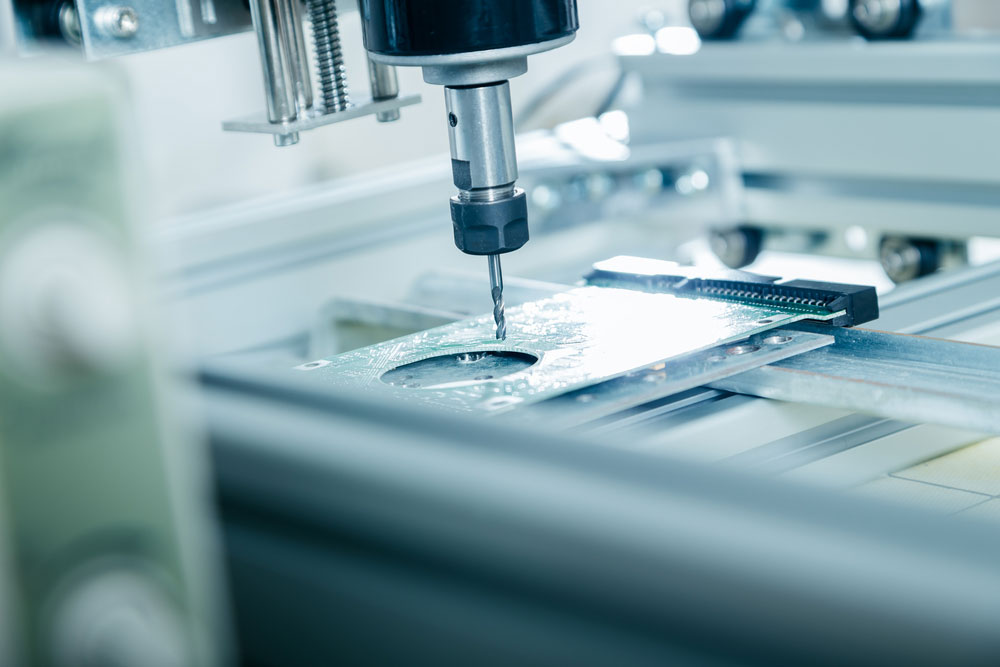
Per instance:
x=496, y=290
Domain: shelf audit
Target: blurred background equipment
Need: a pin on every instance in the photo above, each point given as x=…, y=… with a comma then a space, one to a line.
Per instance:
x=733, y=402
x=105, y=534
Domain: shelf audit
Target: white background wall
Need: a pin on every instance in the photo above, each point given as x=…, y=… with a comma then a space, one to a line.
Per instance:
x=182, y=95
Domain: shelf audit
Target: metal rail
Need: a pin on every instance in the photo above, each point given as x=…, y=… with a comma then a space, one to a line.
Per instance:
x=419, y=533
x=911, y=378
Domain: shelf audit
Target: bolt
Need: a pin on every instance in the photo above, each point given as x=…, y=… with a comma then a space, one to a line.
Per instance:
x=282, y=140
x=117, y=21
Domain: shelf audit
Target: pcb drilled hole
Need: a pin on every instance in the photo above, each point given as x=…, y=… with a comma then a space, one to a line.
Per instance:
x=447, y=369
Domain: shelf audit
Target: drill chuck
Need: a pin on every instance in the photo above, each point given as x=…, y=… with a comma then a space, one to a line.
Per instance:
x=490, y=227
x=490, y=215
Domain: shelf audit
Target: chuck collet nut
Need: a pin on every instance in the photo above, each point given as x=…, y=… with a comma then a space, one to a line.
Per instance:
x=490, y=227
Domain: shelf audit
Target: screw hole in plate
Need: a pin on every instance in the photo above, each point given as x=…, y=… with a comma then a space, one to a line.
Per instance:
x=736, y=350
x=777, y=340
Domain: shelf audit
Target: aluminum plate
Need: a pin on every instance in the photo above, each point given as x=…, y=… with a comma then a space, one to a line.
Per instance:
x=641, y=387
x=580, y=338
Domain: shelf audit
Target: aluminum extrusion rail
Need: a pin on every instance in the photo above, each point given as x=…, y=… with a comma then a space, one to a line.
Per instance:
x=911, y=378
x=569, y=547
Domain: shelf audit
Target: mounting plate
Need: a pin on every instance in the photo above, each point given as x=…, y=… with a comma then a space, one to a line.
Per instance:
x=259, y=123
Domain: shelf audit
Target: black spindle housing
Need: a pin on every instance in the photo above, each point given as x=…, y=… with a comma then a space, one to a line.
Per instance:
x=445, y=27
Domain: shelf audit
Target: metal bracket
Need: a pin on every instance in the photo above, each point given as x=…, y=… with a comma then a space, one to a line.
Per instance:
x=156, y=24
x=258, y=123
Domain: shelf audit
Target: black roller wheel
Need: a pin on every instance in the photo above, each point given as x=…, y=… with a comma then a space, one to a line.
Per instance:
x=905, y=259
x=736, y=247
x=884, y=19
x=719, y=19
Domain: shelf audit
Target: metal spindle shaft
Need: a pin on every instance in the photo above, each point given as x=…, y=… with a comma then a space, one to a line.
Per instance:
x=385, y=86
x=280, y=95
x=298, y=57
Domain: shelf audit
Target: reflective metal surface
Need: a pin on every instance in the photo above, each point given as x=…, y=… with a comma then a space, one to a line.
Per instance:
x=285, y=64
x=581, y=337
x=910, y=378
x=299, y=73
x=333, y=92
x=155, y=24
x=639, y=388
x=384, y=86
x=481, y=134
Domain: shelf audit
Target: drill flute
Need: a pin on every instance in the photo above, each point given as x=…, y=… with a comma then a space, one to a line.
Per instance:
x=496, y=291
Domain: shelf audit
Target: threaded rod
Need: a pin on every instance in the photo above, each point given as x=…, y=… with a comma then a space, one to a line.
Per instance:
x=332, y=74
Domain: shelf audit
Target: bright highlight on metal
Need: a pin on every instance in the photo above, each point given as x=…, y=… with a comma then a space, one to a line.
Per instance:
x=581, y=338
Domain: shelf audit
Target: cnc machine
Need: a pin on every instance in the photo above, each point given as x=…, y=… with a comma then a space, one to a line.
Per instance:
x=666, y=442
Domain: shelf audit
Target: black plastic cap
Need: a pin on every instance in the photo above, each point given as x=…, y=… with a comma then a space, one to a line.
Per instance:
x=490, y=227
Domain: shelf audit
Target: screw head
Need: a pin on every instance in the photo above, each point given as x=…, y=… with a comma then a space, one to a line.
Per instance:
x=121, y=22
